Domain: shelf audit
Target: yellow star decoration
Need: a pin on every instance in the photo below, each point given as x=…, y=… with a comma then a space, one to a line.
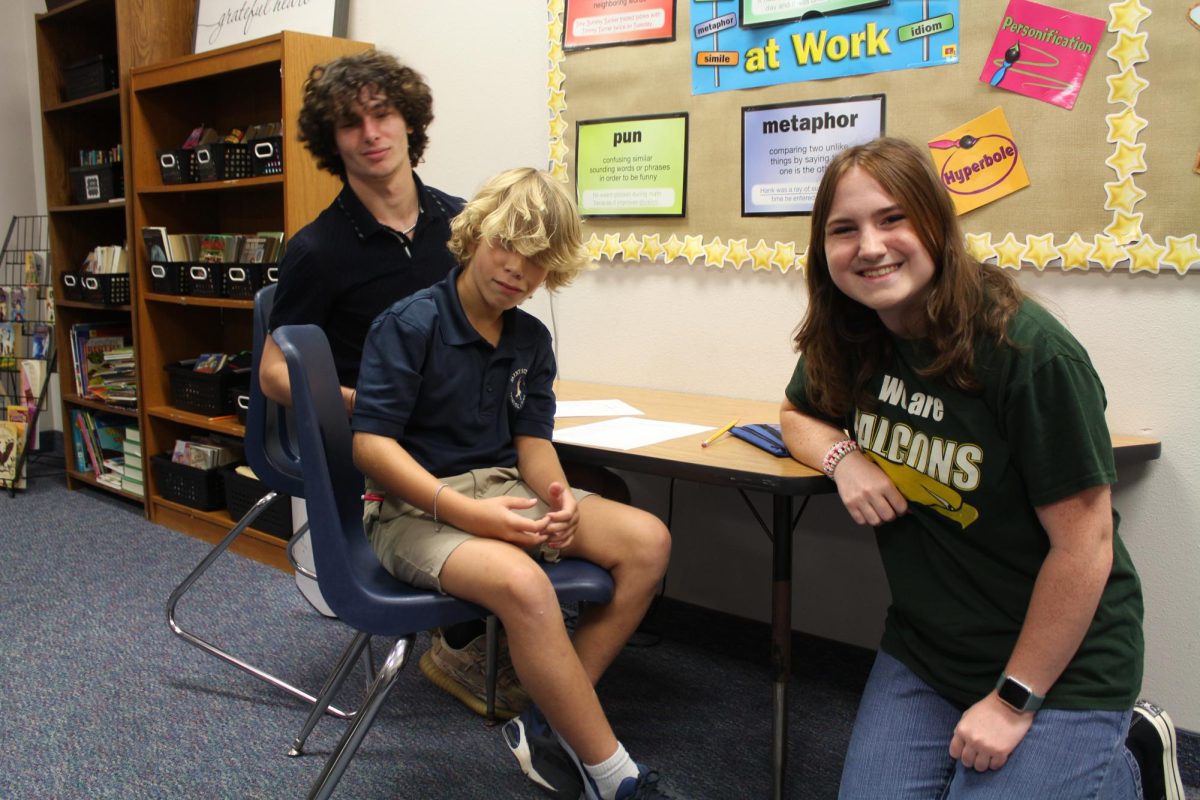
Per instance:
x=784, y=256
x=693, y=248
x=672, y=248
x=555, y=7
x=558, y=127
x=558, y=150
x=761, y=255
x=1130, y=49
x=1074, y=253
x=611, y=246
x=1122, y=195
x=802, y=261
x=1126, y=87
x=1125, y=227
x=1145, y=255
x=1126, y=16
x=593, y=247
x=1182, y=252
x=555, y=29
x=651, y=247
x=715, y=252
x=1124, y=126
x=1008, y=252
x=558, y=101
x=631, y=249
x=555, y=53
x=1107, y=253
x=979, y=245
x=1040, y=250
x=554, y=77
x=1127, y=159
x=738, y=255
x=558, y=171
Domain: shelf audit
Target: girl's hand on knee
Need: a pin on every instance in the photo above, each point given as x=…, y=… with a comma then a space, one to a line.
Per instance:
x=563, y=518
x=987, y=734
x=496, y=518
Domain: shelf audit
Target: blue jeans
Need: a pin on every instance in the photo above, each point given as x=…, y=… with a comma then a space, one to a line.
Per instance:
x=900, y=748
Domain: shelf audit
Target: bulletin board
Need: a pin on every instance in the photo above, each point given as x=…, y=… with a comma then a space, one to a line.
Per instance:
x=1114, y=181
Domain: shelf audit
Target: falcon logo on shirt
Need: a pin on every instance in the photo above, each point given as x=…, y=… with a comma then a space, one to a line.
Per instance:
x=516, y=389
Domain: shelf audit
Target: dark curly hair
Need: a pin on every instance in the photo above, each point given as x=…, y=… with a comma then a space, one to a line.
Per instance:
x=332, y=89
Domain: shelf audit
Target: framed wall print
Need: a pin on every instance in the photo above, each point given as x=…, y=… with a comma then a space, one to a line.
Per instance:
x=220, y=23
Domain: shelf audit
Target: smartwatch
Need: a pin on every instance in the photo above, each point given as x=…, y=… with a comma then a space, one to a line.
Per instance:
x=1017, y=695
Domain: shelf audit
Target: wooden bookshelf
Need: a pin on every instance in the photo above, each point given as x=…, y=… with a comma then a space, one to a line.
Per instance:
x=134, y=33
x=233, y=87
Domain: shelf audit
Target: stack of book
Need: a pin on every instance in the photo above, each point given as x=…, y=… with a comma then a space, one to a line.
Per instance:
x=132, y=480
x=204, y=452
x=90, y=343
x=112, y=377
x=99, y=441
x=264, y=247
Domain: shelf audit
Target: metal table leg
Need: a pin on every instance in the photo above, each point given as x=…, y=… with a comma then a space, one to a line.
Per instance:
x=781, y=637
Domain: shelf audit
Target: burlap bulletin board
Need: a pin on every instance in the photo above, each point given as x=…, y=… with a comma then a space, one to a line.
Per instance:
x=1113, y=180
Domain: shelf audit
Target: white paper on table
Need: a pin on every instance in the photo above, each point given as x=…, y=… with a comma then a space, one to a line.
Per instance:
x=594, y=408
x=626, y=433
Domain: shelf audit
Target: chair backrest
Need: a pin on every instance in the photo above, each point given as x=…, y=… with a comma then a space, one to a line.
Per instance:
x=270, y=451
x=353, y=582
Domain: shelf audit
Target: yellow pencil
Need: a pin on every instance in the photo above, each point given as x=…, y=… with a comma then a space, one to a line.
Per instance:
x=724, y=430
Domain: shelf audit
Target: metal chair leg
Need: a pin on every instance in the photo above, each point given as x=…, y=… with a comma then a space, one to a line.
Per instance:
x=353, y=736
x=493, y=643
x=211, y=649
x=361, y=642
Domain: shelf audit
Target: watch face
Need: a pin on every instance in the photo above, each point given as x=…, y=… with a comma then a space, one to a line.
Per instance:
x=1014, y=693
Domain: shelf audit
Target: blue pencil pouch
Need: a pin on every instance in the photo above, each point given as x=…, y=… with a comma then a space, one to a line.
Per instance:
x=764, y=436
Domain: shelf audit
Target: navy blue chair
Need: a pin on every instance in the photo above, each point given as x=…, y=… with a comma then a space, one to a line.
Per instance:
x=270, y=453
x=354, y=583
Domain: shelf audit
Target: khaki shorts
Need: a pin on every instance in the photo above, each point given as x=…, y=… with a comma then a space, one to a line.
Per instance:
x=414, y=548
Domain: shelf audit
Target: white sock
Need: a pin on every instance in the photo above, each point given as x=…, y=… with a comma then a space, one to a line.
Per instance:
x=609, y=773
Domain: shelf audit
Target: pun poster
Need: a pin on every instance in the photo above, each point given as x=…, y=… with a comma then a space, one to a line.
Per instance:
x=979, y=162
x=1042, y=52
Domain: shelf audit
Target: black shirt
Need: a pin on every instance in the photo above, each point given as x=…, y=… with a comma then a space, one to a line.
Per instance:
x=344, y=268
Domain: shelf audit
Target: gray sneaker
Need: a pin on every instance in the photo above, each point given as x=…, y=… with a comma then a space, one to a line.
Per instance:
x=463, y=673
x=1151, y=739
x=542, y=757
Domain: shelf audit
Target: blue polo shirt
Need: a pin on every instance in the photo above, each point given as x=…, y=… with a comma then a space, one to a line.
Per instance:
x=345, y=267
x=454, y=402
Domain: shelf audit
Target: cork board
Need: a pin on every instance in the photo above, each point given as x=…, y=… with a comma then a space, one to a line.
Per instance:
x=1113, y=181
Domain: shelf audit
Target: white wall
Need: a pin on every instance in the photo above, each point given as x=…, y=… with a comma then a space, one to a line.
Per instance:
x=704, y=330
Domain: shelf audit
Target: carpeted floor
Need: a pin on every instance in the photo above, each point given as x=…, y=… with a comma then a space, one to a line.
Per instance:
x=99, y=700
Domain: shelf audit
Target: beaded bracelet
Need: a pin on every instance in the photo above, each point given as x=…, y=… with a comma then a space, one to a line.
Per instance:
x=435, y=497
x=835, y=454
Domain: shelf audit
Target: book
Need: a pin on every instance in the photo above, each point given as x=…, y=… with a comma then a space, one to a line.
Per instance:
x=82, y=421
x=158, y=244
x=274, y=249
x=254, y=250
x=765, y=436
x=210, y=362
x=12, y=444
x=216, y=248
x=10, y=345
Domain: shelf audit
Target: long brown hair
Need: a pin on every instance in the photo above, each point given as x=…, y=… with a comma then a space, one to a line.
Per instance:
x=843, y=342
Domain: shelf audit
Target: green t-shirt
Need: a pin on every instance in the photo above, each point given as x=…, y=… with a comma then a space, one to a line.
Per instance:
x=962, y=564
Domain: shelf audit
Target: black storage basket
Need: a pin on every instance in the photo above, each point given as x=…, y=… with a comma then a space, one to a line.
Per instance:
x=91, y=76
x=210, y=393
x=220, y=161
x=106, y=290
x=242, y=401
x=167, y=277
x=201, y=489
x=97, y=184
x=204, y=278
x=244, y=280
x=241, y=493
x=267, y=155
x=72, y=288
x=177, y=166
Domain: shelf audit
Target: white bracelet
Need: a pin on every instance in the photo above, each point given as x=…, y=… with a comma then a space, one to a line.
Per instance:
x=435, y=497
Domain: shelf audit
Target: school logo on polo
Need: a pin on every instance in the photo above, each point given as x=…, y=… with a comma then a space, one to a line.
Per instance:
x=516, y=388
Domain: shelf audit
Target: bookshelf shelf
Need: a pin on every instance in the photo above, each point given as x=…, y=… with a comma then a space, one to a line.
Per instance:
x=233, y=87
x=90, y=479
x=132, y=33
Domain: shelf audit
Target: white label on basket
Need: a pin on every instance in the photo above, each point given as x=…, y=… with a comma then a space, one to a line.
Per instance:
x=264, y=149
x=273, y=274
x=158, y=271
x=69, y=280
x=91, y=283
x=167, y=160
x=203, y=156
x=243, y=402
x=235, y=274
x=198, y=273
x=91, y=187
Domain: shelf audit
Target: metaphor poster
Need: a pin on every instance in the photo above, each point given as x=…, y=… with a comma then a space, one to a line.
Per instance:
x=980, y=161
x=786, y=147
x=632, y=166
x=905, y=34
x=1042, y=52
